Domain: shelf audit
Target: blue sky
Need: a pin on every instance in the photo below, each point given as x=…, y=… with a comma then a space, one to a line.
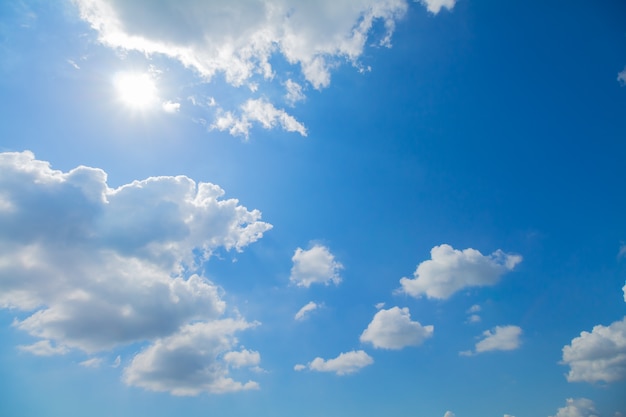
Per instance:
x=337, y=208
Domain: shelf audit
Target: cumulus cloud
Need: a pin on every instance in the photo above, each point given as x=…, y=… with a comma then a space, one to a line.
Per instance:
x=450, y=270
x=449, y=414
x=393, y=329
x=599, y=355
x=345, y=363
x=188, y=362
x=259, y=111
x=304, y=312
x=97, y=268
x=500, y=338
x=315, y=266
x=242, y=358
x=579, y=407
x=435, y=6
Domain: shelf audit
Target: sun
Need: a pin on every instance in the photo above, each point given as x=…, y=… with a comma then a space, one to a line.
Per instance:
x=136, y=90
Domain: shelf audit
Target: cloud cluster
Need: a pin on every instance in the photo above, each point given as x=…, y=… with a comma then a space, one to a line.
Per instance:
x=450, y=270
x=314, y=266
x=599, y=355
x=500, y=338
x=577, y=407
x=345, y=363
x=96, y=268
x=240, y=40
x=393, y=329
x=258, y=111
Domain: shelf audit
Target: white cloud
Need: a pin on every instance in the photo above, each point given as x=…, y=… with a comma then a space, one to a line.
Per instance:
x=450, y=270
x=345, y=363
x=379, y=305
x=44, y=348
x=303, y=313
x=315, y=266
x=91, y=363
x=508, y=415
x=97, y=268
x=599, y=355
x=187, y=362
x=240, y=39
x=294, y=92
x=299, y=367
x=449, y=414
x=579, y=407
x=170, y=106
x=243, y=358
x=435, y=6
x=261, y=112
x=393, y=329
x=473, y=317
x=117, y=362
x=500, y=338
x=621, y=77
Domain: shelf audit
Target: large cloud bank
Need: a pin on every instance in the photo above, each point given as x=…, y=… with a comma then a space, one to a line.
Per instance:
x=95, y=268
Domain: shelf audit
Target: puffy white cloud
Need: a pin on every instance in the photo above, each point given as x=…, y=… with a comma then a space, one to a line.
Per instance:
x=97, y=267
x=259, y=111
x=435, y=6
x=450, y=270
x=500, y=338
x=579, y=407
x=345, y=363
x=508, y=415
x=599, y=355
x=243, y=358
x=304, y=311
x=393, y=329
x=449, y=414
x=315, y=266
x=188, y=362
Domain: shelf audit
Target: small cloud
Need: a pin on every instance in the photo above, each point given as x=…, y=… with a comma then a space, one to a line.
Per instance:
x=393, y=329
x=294, y=92
x=450, y=270
x=299, y=367
x=435, y=6
x=117, y=362
x=43, y=348
x=622, y=250
x=258, y=111
x=73, y=63
x=474, y=309
x=170, y=106
x=474, y=318
x=621, y=77
x=579, y=407
x=449, y=414
x=379, y=306
x=345, y=363
x=91, y=363
x=500, y=338
x=314, y=266
x=304, y=311
x=242, y=359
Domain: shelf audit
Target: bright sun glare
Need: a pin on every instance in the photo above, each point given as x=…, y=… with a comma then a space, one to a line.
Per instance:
x=136, y=90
